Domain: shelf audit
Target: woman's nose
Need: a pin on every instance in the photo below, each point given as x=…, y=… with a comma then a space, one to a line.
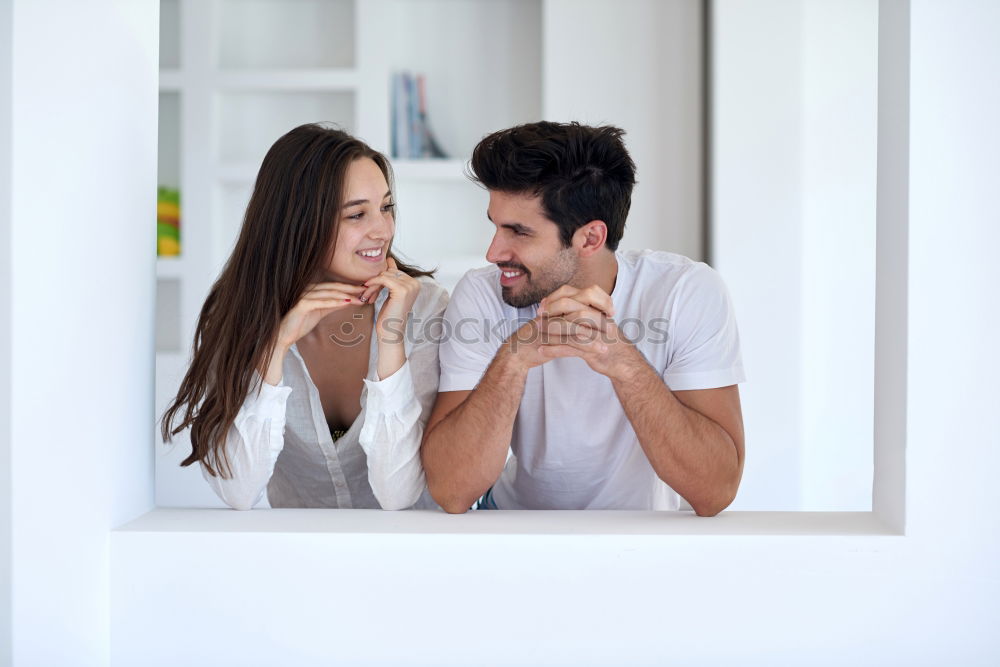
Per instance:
x=382, y=231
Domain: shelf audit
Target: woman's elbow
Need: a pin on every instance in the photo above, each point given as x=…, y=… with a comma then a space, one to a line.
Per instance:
x=395, y=503
x=240, y=501
x=241, y=504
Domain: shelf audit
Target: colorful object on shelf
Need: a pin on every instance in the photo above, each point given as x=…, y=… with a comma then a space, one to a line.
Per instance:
x=168, y=222
x=411, y=132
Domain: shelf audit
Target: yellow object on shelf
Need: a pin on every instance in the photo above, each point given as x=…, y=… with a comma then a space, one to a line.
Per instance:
x=168, y=222
x=167, y=247
x=168, y=212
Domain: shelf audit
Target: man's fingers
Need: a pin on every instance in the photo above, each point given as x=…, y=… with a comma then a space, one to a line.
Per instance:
x=584, y=320
x=576, y=311
x=564, y=292
x=593, y=297
x=561, y=306
x=561, y=331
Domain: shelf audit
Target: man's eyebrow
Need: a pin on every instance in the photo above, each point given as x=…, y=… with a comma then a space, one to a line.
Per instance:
x=517, y=227
x=355, y=202
x=513, y=226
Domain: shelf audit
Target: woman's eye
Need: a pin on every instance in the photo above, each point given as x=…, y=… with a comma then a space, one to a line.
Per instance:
x=356, y=216
x=388, y=207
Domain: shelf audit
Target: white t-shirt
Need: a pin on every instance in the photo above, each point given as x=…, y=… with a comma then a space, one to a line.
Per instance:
x=573, y=447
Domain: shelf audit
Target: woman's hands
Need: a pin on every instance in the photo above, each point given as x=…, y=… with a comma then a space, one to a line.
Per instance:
x=391, y=324
x=403, y=291
x=322, y=299
x=319, y=301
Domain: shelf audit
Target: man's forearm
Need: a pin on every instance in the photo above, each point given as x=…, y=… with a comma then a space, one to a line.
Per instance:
x=694, y=455
x=464, y=453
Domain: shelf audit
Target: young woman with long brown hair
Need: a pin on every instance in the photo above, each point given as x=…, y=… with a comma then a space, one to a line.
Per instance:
x=301, y=379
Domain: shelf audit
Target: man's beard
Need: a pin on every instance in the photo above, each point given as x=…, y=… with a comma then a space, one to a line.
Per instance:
x=540, y=283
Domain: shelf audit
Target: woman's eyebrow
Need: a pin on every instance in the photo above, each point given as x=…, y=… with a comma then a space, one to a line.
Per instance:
x=355, y=202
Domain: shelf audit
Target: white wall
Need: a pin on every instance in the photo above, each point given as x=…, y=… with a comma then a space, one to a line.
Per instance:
x=953, y=319
x=837, y=253
x=793, y=219
x=636, y=64
x=6, y=30
x=81, y=110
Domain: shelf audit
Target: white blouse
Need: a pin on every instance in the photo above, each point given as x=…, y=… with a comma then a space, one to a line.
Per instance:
x=280, y=438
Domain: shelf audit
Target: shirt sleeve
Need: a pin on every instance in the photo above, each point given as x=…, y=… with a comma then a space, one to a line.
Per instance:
x=252, y=445
x=471, y=338
x=705, y=350
x=397, y=409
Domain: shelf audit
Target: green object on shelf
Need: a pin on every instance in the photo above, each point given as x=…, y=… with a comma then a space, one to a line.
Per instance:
x=168, y=194
x=166, y=231
x=168, y=221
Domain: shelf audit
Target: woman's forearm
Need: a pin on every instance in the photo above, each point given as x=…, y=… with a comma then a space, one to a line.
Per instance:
x=391, y=357
x=272, y=374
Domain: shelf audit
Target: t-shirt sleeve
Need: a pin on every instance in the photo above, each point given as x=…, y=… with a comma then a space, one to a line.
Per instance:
x=705, y=350
x=470, y=339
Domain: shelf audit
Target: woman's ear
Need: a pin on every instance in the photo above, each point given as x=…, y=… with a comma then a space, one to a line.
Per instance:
x=590, y=238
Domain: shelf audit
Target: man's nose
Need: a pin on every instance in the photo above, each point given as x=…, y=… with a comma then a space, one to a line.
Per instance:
x=497, y=252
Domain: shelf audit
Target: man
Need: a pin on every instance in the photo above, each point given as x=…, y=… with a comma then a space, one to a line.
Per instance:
x=597, y=414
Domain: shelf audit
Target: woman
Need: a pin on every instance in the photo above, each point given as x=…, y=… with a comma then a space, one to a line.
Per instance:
x=302, y=380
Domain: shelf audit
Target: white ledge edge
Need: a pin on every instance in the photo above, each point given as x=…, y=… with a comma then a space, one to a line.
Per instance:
x=423, y=522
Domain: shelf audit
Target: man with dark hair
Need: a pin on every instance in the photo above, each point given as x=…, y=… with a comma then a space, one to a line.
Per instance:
x=610, y=375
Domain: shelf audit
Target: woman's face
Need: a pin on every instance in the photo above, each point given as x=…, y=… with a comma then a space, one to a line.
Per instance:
x=366, y=224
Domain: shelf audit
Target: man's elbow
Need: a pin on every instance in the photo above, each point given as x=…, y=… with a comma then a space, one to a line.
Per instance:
x=455, y=507
x=713, y=506
x=450, y=502
x=706, y=510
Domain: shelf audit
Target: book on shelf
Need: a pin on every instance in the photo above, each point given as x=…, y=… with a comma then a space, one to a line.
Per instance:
x=411, y=135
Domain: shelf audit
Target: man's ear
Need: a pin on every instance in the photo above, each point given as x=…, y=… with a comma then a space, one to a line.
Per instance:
x=590, y=238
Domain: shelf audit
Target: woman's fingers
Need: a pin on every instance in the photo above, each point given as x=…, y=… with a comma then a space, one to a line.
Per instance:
x=340, y=287
x=326, y=304
x=381, y=280
x=322, y=295
x=384, y=280
x=370, y=292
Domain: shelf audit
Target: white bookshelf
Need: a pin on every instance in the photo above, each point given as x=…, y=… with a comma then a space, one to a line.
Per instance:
x=236, y=74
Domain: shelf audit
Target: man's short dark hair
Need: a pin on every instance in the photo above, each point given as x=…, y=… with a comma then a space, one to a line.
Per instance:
x=581, y=173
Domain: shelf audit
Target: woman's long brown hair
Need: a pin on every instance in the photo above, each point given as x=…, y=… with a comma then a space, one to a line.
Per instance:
x=288, y=231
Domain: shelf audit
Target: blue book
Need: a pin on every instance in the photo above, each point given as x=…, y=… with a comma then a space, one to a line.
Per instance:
x=413, y=114
x=400, y=116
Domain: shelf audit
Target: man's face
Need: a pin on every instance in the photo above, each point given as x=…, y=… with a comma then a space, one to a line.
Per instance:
x=526, y=247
